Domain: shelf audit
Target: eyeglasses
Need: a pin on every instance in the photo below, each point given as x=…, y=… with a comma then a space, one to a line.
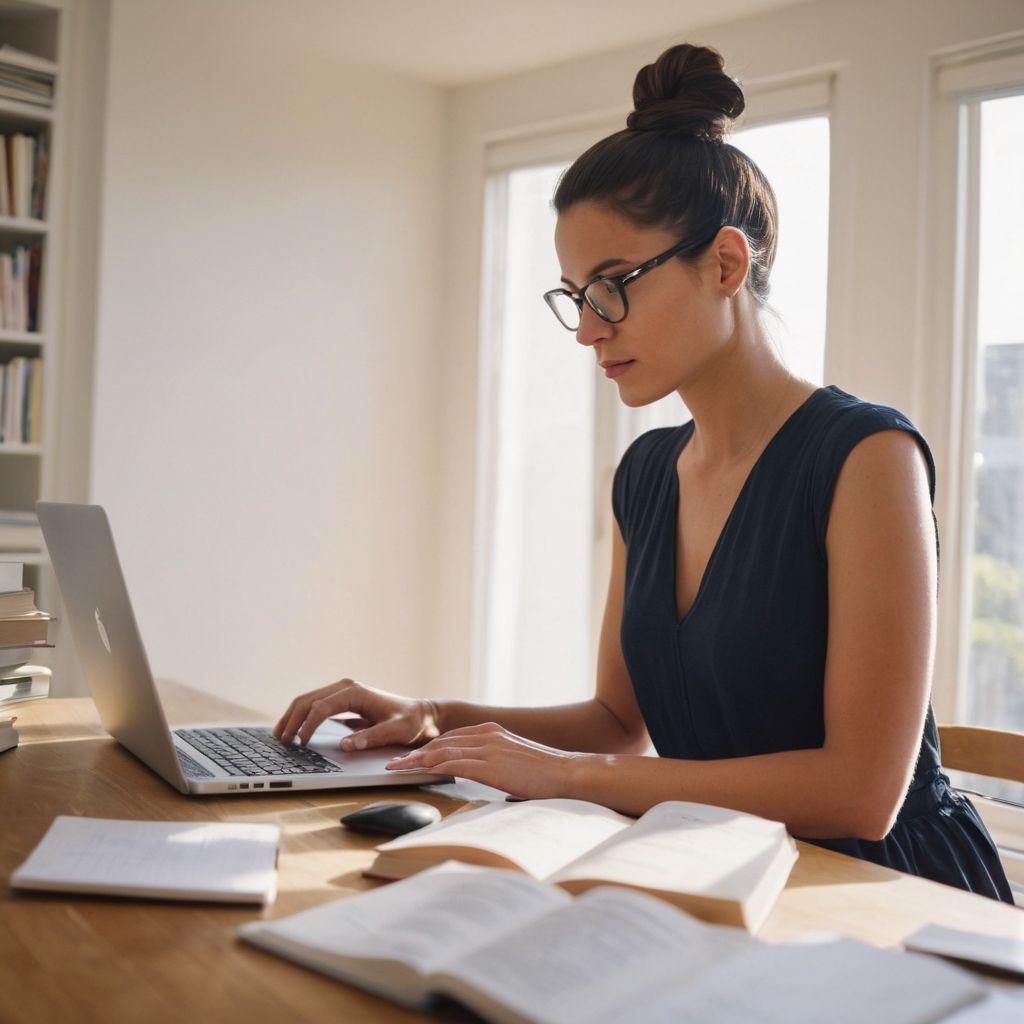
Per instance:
x=606, y=296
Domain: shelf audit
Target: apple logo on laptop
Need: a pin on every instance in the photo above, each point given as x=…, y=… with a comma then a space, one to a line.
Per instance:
x=102, y=631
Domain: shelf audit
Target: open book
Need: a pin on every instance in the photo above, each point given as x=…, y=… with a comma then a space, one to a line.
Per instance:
x=723, y=866
x=514, y=950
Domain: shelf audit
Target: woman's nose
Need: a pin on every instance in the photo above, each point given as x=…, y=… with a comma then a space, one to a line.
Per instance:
x=592, y=328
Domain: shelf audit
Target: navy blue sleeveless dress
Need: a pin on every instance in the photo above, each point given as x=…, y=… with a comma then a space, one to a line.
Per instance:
x=743, y=673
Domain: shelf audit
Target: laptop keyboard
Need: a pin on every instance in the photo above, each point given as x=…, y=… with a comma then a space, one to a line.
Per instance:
x=255, y=752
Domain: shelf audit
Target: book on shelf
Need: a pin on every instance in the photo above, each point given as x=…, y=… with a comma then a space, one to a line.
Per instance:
x=12, y=57
x=26, y=168
x=8, y=734
x=21, y=400
x=721, y=865
x=19, y=288
x=26, y=77
x=22, y=681
x=514, y=950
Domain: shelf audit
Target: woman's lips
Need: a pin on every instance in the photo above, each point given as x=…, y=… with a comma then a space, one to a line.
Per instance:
x=617, y=369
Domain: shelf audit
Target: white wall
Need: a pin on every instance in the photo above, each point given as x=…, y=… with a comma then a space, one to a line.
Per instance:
x=878, y=290
x=265, y=414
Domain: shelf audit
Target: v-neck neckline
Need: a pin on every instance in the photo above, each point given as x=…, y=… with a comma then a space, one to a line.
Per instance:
x=687, y=432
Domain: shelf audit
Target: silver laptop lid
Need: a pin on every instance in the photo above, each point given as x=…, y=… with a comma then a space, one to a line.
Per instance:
x=92, y=585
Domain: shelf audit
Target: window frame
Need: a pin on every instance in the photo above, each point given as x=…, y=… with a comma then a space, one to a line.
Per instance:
x=946, y=353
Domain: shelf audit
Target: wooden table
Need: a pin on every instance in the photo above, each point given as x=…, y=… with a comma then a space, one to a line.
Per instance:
x=106, y=959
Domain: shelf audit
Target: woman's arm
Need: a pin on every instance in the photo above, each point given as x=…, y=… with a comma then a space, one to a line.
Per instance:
x=610, y=722
x=881, y=588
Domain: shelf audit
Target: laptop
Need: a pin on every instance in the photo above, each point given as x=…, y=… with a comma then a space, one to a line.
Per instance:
x=195, y=759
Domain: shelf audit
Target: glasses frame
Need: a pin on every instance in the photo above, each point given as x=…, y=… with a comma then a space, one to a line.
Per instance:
x=619, y=282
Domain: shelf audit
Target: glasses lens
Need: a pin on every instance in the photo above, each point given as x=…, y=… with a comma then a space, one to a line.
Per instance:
x=606, y=299
x=565, y=309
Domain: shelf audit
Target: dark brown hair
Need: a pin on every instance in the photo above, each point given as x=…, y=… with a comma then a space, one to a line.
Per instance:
x=670, y=168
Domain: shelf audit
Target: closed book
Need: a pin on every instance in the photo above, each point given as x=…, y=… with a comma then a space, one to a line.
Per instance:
x=24, y=629
x=23, y=95
x=5, y=181
x=24, y=682
x=11, y=56
x=14, y=166
x=20, y=602
x=35, y=403
x=39, y=176
x=720, y=865
x=515, y=950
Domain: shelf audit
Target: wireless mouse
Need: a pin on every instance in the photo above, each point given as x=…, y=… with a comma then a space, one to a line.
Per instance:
x=391, y=819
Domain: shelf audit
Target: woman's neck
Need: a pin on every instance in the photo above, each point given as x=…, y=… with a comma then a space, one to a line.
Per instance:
x=739, y=402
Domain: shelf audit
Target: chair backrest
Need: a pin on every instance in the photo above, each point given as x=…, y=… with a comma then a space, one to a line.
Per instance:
x=995, y=753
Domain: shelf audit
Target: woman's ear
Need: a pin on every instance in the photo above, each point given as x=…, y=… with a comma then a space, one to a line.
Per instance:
x=732, y=259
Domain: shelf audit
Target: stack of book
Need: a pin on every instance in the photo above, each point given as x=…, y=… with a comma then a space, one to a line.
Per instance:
x=23, y=629
x=21, y=400
x=26, y=77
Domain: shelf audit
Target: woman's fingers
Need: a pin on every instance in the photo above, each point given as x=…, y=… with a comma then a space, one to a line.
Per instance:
x=323, y=708
x=328, y=700
x=429, y=757
x=298, y=706
x=465, y=768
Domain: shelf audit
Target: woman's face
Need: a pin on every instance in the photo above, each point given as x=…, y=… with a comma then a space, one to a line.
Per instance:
x=680, y=317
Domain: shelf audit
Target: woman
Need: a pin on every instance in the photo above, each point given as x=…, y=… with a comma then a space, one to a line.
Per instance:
x=770, y=621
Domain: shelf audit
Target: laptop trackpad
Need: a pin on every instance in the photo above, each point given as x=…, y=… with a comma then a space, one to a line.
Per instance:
x=325, y=741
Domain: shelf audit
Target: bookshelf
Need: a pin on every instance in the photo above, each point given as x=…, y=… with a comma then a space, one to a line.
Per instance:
x=28, y=472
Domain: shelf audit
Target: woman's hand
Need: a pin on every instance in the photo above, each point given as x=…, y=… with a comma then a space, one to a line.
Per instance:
x=489, y=754
x=384, y=717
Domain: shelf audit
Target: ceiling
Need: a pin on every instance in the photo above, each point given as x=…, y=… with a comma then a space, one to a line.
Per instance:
x=455, y=42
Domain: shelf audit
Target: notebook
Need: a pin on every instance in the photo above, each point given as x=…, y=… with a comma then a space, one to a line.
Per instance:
x=515, y=950
x=1005, y=956
x=229, y=862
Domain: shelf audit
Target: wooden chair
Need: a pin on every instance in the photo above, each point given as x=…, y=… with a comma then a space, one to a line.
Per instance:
x=996, y=754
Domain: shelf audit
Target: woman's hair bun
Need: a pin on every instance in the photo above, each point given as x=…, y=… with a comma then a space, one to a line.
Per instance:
x=686, y=92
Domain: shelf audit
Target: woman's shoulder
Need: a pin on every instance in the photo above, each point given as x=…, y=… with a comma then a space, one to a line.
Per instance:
x=842, y=421
x=842, y=411
x=642, y=469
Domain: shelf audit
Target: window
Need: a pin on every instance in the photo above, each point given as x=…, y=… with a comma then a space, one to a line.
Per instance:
x=537, y=544
x=995, y=671
x=553, y=430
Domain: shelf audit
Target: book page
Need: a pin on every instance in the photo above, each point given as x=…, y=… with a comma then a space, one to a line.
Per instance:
x=211, y=860
x=605, y=949
x=427, y=921
x=842, y=982
x=538, y=835
x=687, y=847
